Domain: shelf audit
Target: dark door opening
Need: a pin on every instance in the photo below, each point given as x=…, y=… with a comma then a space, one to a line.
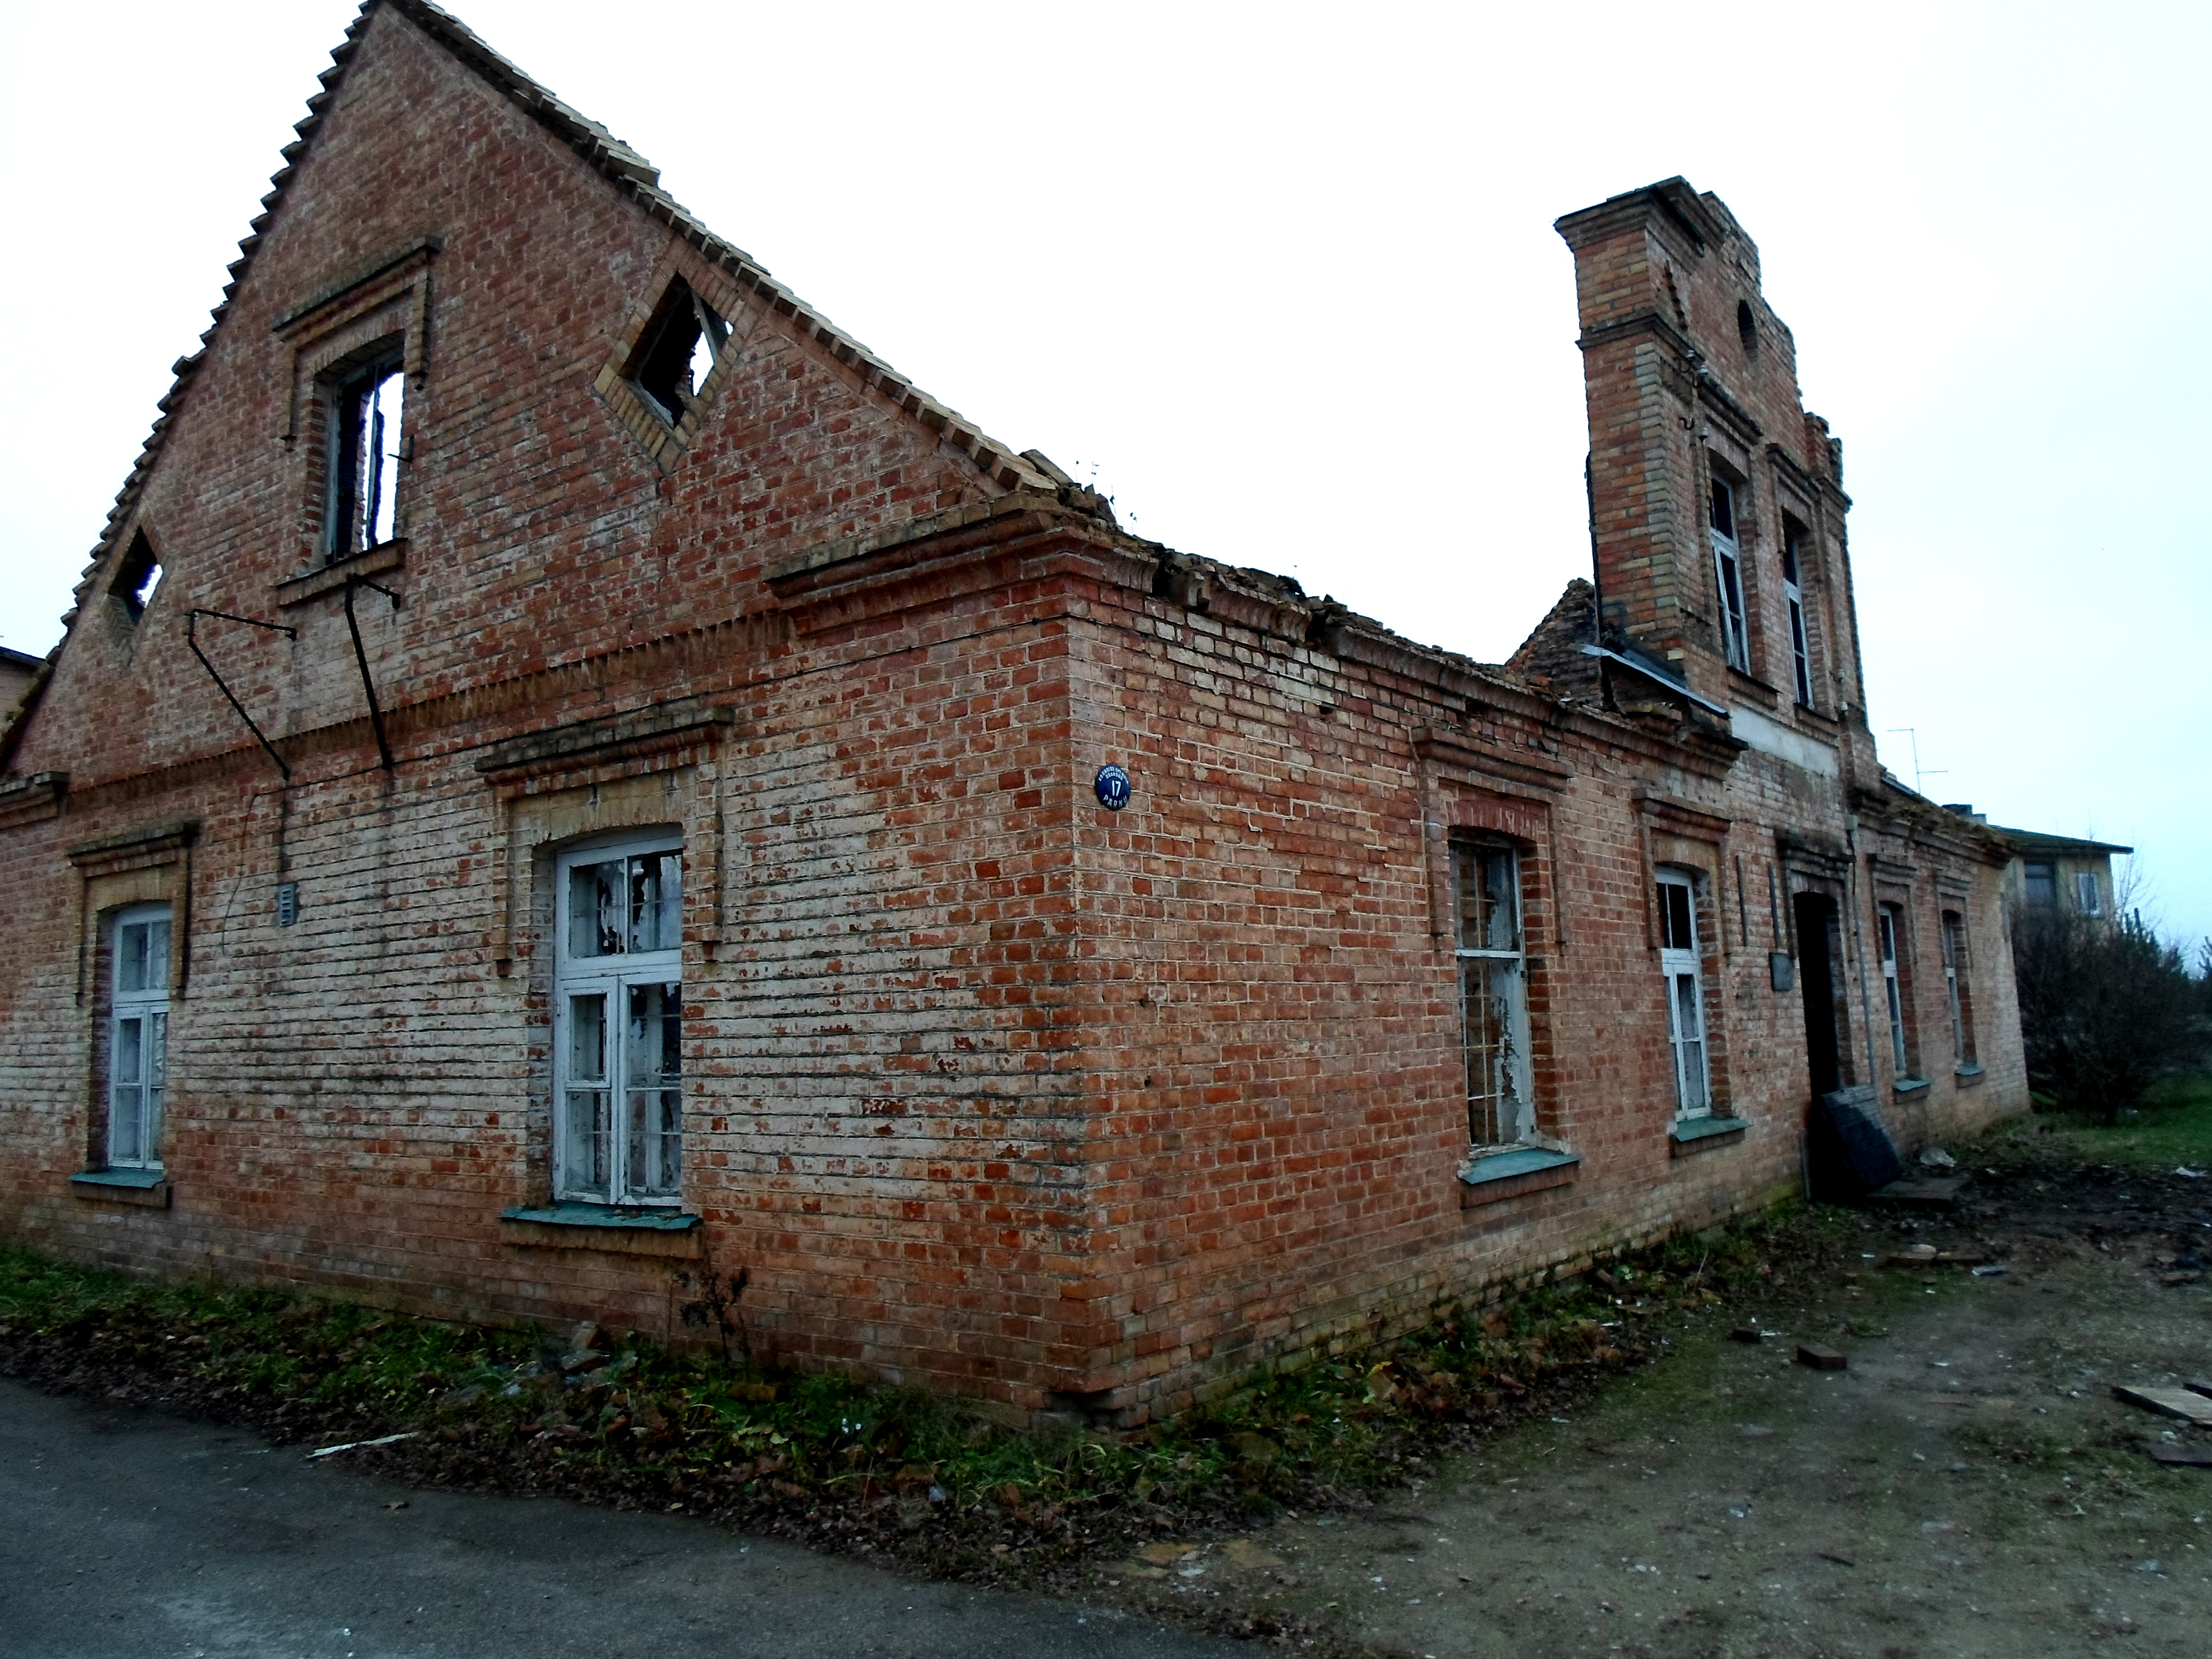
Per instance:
x=1815, y=916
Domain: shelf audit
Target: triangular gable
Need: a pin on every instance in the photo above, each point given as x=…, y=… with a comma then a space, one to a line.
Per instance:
x=627, y=172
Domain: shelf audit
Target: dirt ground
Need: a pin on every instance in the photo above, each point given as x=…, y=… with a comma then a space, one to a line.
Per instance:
x=1968, y=1485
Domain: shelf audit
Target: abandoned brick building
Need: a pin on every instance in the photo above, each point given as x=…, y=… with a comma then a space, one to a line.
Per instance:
x=566, y=771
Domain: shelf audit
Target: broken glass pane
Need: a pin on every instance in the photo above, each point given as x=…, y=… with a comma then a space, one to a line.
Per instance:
x=653, y=1063
x=586, y=1146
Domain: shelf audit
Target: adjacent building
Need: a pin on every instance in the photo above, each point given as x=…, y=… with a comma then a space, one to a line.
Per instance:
x=567, y=772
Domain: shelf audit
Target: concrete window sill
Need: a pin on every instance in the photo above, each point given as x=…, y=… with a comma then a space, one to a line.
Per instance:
x=603, y=1227
x=1509, y=1175
x=1704, y=1135
x=1905, y=1087
x=1967, y=1075
x=147, y=1188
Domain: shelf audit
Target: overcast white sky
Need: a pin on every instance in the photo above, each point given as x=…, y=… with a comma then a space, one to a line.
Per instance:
x=1285, y=278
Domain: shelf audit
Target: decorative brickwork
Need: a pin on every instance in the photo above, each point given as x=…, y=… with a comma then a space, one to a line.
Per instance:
x=987, y=1086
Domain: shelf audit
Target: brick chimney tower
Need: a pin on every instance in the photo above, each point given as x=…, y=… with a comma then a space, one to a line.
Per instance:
x=1717, y=503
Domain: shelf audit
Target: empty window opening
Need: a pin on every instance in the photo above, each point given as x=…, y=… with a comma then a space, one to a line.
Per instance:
x=137, y=577
x=138, y=1036
x=619, y=1016
x=365, y=440
x=2040, y=883
x=1793, y=592
x=678, y=350
x=1746, y=325
x=1728, y=576
x=1957, y=991
x=1493, y=992
x=1679, y=964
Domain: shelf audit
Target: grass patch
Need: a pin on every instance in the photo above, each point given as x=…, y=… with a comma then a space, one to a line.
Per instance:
x=2173, y=1127
x=845, y=1464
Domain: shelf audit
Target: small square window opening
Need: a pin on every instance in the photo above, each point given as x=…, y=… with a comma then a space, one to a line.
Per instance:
x=2040, y=883
x=678, y=350
x=137, y=577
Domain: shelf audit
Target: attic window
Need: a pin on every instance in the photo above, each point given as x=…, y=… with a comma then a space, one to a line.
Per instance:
x=137, y=577
x=365, y=457
x=1746, y=325
x=678, y=350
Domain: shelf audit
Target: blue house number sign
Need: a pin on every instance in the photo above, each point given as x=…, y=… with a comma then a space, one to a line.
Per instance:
x=1112, y=787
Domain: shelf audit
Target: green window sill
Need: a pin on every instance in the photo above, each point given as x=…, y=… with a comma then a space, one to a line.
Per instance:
x=1508, y=1175
x=1687, y=1135
x=1905, y=1087
x=138, y=1178
x=603, y=1215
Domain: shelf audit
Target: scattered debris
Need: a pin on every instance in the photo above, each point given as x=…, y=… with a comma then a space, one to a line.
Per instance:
x=2199, y=1385
x=2183, y=1453
x=1253, y=1557
x=1820, y=1358
x=382, y=1440
x=399, y=1504
x=2168, y=1402
x=2188, y=1174
x=1840, y=1561
x=1747, y=1334
x=1936, y=1157
x=1991, y=1270
x=1927, y=1255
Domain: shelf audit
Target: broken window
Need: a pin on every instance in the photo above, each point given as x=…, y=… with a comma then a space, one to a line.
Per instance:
x=138, y=1035
x=1728, y=576
x=618, y=1018
x=1493, y=992
x=366, y=409
x=1681, y=965
x=137, y=577
x=1956, y=990
x=1897, y=987
x=678, y=350
x=1793, y=592
x=2086, y=898
x=2040, y=883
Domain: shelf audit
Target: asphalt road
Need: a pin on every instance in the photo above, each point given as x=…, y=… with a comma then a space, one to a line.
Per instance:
x=135, y=1535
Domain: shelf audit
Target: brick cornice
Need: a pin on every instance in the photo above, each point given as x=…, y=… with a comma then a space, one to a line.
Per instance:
x=32, y=800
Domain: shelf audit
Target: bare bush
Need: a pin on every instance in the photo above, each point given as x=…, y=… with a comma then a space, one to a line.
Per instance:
x=2105, y=1009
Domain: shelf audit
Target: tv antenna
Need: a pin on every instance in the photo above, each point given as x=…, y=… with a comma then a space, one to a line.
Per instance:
x=1919, y=772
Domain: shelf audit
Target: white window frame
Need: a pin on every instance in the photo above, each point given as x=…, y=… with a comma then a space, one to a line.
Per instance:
x=1682, y=969
x=596, y=1158
x=2088, y=897
x=1728, y=576
x=1493, y=968
x=1889, y=922
x=1793, y=592
x=139, y=941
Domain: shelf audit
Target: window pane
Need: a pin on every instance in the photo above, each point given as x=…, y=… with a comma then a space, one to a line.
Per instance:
x=1889, y=936
x=130, y=1051
x=1501, y=902
x=381, y=458
x=586, y=1142
x=157, y=1077
x=595, y=908
x=656, y=901
x=1689, y=1030
x=652, y=1065
x=127, y=1092
x=1678, y=923
x=130, y=957
x=157, y=955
